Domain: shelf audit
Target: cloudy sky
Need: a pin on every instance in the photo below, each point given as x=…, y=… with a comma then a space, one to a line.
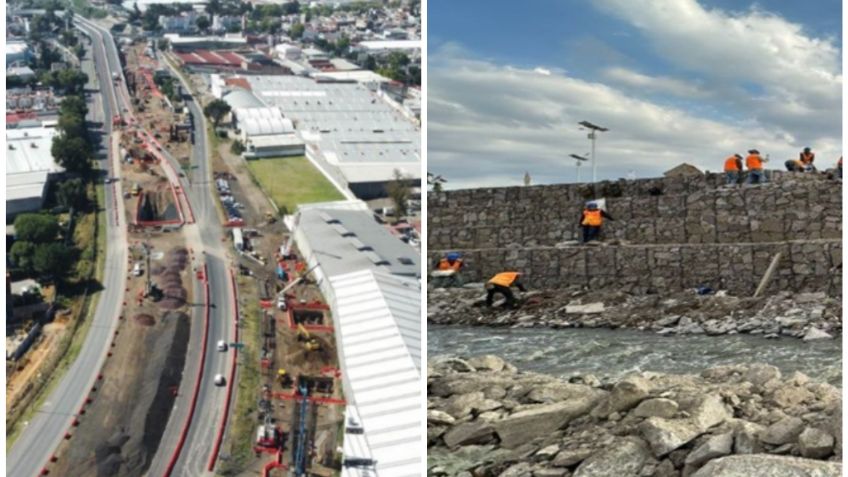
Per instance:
x=674, y=81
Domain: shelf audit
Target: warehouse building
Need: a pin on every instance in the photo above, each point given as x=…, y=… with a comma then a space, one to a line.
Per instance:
x=29, y=168
x=372, y=282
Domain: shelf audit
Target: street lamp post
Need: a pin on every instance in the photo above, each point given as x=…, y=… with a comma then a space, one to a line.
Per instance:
x=593, y=132
x=580, y=161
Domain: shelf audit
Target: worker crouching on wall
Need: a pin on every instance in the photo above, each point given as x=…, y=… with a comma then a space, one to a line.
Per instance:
x=447, y=271
x=502, y=283
x=591, y=221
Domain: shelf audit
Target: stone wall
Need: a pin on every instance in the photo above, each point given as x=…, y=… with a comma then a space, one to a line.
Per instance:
x=668, y=234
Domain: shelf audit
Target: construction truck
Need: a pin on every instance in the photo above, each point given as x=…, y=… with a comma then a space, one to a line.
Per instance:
x=284, y=378
x=309, y=343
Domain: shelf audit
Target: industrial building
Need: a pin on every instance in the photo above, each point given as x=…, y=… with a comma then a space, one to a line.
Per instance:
x=357, y=137
x=372, y=282
x=29, y=168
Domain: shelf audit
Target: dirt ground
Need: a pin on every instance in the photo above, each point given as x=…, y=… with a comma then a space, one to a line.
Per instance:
x=18, y=382
x=120, y=431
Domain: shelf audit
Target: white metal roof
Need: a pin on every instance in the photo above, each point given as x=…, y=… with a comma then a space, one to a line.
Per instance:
x=255, y=121
x=241, y=99
x=377, y=320
x=274, y=140
x=26, y=185
x=28, y=150
x=391, y=44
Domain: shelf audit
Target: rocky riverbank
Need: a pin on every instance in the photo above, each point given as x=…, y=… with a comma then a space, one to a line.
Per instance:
x=809, y=316
x=485, y=418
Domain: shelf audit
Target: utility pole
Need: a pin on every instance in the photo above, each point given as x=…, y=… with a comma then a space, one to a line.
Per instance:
x=593, y=134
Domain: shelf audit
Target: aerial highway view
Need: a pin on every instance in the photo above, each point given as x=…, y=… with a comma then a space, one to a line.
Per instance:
x=213, y=238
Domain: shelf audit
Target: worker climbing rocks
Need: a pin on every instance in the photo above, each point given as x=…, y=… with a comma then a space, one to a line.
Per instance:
x=591, y=220
x=447, y=270
x=807, y=157
x=501, y=283
x=732, y=168
x=754, y=164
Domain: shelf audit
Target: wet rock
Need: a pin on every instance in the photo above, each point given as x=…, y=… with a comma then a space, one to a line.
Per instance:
x=814, y=334
x=745, y=437
x=558, y=391
x=625, y=457
x=783, y=431
x=768, y=466
x=815, y=443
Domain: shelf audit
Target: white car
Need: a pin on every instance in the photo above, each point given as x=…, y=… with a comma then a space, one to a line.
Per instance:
x=222, y=345
x=220, y=380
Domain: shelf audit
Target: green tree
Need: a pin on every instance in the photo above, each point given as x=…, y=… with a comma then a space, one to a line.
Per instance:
x=72, y=153
x=36, y=228
x=73, y=105
x=291, y=8
x=237, y=147
x=216, y=110
x=296, y=31
x=163, y=44
x=52, y=259
x=72, y=193
x=203, y=23
x=399, y=192
x=213, y=7
x=79, y=51
x=21, y=255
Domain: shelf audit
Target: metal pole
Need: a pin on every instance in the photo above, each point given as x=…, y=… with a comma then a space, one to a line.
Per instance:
x=594, y=165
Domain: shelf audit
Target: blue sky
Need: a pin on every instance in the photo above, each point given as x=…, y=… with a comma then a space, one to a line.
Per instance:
x=675, y=80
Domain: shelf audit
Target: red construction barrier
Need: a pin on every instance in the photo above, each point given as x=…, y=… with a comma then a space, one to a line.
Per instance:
x=217, y=447
x=176, y=454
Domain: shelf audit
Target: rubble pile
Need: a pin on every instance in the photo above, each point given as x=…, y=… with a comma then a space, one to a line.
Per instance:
x=485, y=418
x=810, y=316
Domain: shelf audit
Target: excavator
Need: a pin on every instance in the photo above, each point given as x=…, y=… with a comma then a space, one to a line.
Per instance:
x=284, y=378
x=309, y=343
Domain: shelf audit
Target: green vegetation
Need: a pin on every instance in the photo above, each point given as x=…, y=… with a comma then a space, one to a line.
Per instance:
x=216, y=110
x=243, y=421
x=237, y=147
x=290, y=181
x=399, y=191
x=72, y=147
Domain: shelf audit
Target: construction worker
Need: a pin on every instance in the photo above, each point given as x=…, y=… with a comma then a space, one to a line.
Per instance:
x=807, y=157
x=591, y=220
x=794, y=165
x=501, y=283
x=732, y=168
x=839, y=167
x=754, y=164
x=447, y=270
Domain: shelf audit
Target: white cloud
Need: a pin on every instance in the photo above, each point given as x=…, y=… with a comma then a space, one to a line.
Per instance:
x=799, y=75
x=488, y=123
x=661, y=84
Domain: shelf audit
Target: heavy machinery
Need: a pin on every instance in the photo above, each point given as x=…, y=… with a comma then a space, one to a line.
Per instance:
x=309, y=343
x=284, y=378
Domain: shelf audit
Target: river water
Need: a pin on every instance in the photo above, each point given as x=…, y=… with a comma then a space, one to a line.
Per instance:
x=613, y=353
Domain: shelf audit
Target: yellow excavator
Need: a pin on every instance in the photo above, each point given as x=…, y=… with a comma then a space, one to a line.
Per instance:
x=284, y=378
x=309, y=343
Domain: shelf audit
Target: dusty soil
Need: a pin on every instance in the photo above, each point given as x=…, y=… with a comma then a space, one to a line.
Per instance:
x=120, y=431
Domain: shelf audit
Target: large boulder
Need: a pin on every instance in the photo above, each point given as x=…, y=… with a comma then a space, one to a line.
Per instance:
x=439, y=418
x=815, y=443
x=657, y=407
x=487, y=363
x=477, y=432
x=560, y=391
x=624, y=458
x=714, y=447
x=783, y=431
x=666, y=435
x=464, y=404
x=761, y=465
x=541, y=420
x=626, y=394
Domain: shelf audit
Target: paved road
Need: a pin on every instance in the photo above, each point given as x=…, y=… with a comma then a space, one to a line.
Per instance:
x=45, y=431
x=204, y=237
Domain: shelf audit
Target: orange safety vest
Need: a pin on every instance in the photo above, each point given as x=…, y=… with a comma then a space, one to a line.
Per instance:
x=444, y=264
x=505, y=279
x=754, y=162
x=807, y=158
x=592, y=218
x=731, y=164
